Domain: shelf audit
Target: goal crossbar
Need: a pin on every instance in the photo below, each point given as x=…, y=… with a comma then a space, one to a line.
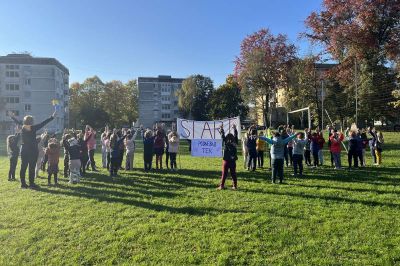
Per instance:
x=300, y=110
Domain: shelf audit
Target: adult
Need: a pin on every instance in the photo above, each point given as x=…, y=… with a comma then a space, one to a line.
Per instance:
x=29, y=147
x=90, y=137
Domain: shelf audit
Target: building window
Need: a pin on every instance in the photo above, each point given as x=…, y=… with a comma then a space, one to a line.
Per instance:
x=27, y=107
x=165, y=98
x=12, y=74
x=165, y=115
x=27, y=81
x=166, y=107
x=12, y=99
x=27, y=94
x=12, y=87
x=12, y=67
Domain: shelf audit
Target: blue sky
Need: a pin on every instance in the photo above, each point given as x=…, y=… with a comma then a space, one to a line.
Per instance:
x=126, y=39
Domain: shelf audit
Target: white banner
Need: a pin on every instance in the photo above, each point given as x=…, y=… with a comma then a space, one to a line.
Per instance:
x=190, y=129
x=207, y=147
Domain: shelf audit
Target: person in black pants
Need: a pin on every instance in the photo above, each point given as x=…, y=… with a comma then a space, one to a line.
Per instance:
x=353, y=148
x=13, y=153
x=29, y=148
x=252, y=148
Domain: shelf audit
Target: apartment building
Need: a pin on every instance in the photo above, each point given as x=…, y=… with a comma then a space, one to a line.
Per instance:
x=157, y=100
x=28, y=86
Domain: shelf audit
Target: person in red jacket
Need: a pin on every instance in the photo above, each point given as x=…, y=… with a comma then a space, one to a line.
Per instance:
x=336, y=140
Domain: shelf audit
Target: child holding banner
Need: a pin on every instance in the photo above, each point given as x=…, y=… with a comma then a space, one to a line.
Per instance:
x=230, y=157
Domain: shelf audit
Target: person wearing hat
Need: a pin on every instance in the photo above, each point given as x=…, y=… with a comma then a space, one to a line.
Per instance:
x=277, y=153
x=29, y=147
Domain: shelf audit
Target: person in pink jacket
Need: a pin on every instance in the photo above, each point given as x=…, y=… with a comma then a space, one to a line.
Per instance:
x=90, y=137
x=336, y=140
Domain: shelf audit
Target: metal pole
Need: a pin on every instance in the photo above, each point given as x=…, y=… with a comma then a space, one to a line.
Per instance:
x=355, y=83
x=309, y=118
x=322, y=100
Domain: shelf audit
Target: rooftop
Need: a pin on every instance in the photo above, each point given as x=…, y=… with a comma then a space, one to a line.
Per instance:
x=27, y=59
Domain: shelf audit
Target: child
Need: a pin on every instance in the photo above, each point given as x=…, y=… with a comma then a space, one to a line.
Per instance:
x=159, y=143
x=321, y=142
x=260, y=147
x=245, y=151
x=148, y=145
x=230, y=157
x=130, y=149
x=103, y=147
x=121, y=148
x=364, y=140
x=307, y=148
x=379, y=147
x=115, y=142
x=290, y=146
x=298, y=147
x=352, y=155
x=277, y=153
x=372, y=142
x=13, y=153
x=173, y=144
x=108, y=150
x=41, y=148
x=90, y=138
x=74, y=151
x=284, y=135
x=84, y=156
x=252, y=148
x=64, y=145
x=53, y=157
x=335, y=148
x=315, y=148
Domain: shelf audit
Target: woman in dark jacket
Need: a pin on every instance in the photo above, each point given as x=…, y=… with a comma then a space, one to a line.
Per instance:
x=230, y=157
x=29, y=147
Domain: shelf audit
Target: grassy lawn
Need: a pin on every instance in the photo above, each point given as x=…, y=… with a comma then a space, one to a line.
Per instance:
x=328, y=217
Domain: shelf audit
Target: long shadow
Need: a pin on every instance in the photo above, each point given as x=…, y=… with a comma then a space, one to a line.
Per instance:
x=326, y=198
x=362, y=190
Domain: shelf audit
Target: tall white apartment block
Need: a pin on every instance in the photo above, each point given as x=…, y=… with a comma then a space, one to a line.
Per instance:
x=28, y=86
x=157, y=99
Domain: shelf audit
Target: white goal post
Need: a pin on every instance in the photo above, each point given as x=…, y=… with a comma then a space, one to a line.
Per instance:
x=300, y=110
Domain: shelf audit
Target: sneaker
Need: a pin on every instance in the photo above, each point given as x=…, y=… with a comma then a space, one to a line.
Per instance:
x=234, y=188
x=294, y=174
x=24, y=186
x=220, y=188
x=33, y=186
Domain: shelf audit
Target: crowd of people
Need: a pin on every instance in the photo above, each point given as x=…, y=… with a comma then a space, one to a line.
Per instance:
x=286, y=146
x=283, y=146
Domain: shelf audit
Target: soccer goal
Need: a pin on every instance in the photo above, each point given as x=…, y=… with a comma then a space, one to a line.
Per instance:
x=302, y=110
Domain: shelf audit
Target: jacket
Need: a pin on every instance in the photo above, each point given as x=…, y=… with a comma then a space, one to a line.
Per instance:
x=335, y=143
x=230, y=150
x=173, y=143
x=53, y=154
x=278, y=146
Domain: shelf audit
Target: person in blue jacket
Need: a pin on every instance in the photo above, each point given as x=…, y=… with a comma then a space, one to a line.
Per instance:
x=278, y=144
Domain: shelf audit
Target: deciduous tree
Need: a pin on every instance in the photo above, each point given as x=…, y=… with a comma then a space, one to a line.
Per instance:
x=262, y=66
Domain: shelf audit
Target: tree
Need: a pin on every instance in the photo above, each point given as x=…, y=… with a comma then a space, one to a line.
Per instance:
x=364, y=36
x=193, y=97
x=262, y=66
x=98, y=104
x=227, y=101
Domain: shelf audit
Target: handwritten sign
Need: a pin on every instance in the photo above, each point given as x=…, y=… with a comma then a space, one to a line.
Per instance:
x=190, y=129
x=207, y=147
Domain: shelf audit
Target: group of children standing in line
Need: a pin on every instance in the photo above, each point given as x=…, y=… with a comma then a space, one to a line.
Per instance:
x=288, y=146
x=79, y=147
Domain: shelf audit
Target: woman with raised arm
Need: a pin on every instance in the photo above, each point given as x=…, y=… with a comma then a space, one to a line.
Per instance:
x=29, y=147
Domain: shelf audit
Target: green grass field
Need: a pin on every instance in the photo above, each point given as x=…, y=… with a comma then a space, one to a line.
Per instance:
x=327, y=218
